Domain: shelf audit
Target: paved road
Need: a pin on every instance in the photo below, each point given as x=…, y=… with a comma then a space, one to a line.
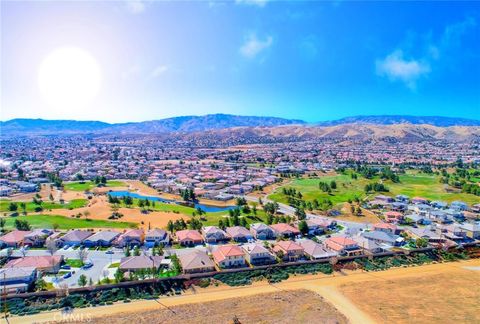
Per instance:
x=100, y=261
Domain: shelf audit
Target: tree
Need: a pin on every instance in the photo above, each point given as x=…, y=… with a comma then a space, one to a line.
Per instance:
x=86, y=214
x=118, y=276
x=23, y=206
x=55, y=226
x=333, y=185
x=82, y=254
x=82, y=280
x=22, y=225
x=12, y=207
x=176, y=263
x=170, y=226
x=127, y=251
x=136, y=251
x=90, y=282
x=51, y=246
x=40, y=284
x=2, y=223
x=303, y=227
x=50, y=196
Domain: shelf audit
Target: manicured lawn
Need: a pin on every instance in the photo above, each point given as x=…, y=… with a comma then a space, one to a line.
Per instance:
x=74, y=263
x=411, y=184
x=114, y=265
x=428, y=186
x=46, y=205
x=47, y=221
x=88, y=185
x=347, y=188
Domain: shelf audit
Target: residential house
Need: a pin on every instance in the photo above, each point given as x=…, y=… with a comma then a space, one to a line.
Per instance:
x=45, y=263
x=288, y=250
x=472, y=230
x=393, y=217
x=135, y=263
x=369, y=246
x=239, y=234
x=256, y=254
x=229, y=256
x=156, y=237
x=101, y=238
x=383, y=237
x=459, y=205
x=454, y=233
x=343, y=245
x=13, y=239
x=285, y=230
x=419, y=200
x=387, y=227
x=17, y=279
x=316, y=251
x=73, y=238
x=420, y=220
x=189, y=237
x=196, y=261
x=262, y=232
x=37, y=237
x=132, y=237
x=214, y=234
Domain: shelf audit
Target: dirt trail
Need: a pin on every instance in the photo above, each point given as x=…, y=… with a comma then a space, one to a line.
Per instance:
x=326, y=286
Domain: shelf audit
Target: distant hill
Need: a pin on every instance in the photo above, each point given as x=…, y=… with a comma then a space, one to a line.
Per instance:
x=402, y=119
x=175, y=124
x=195, y=124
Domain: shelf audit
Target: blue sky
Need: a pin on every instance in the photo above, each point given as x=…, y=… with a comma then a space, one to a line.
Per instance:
x=310, y=60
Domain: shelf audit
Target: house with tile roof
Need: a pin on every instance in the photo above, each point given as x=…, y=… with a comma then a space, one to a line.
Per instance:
x=13, y=239
x=189, y=237
x=289, y=250
x=285, y=230
x=343, y=245
x=229, y=256
x=44, y=263
x=257, y=254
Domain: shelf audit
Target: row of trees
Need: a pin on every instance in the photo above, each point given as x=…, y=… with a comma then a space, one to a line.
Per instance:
x=376, y=187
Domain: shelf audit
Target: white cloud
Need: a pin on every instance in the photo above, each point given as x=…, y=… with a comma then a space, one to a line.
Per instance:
x=254, y=46
x=396, y=67
x=258, y=3
x=135, y=6
x=159, y=70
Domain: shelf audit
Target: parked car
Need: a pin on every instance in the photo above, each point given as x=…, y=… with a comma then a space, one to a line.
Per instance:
x=87, y=266
x=109, y=252
x=65, y=267
x=67, y=275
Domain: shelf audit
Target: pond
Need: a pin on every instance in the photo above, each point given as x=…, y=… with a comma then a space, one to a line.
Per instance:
x=206, y=208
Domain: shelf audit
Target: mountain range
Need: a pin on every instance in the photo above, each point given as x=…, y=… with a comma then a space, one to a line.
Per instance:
x=195, y=124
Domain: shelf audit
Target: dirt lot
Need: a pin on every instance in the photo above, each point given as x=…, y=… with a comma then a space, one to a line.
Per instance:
x=301, y=306
x=435, y=293
x=452, y=297
x=99, y=208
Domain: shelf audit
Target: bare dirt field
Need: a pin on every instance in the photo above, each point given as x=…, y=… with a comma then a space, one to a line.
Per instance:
x=99, y=208
x=366, y=217
x=452, y=297
x=390, y=296
x=301, y=306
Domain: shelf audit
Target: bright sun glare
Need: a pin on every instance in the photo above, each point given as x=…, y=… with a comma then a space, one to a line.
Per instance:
x=69, y=77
